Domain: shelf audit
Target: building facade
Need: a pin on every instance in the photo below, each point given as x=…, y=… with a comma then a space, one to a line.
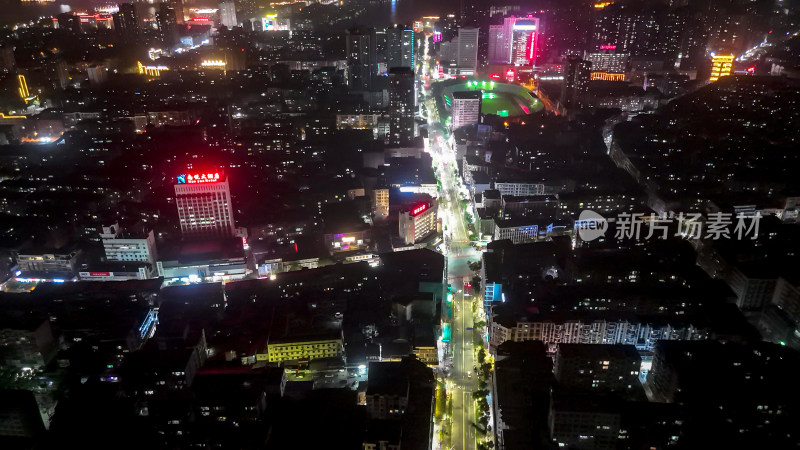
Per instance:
x=401, y=105
x=418, y=222
x=204, y=205
x=304, y=348
x=127, y=247
x=466, y=108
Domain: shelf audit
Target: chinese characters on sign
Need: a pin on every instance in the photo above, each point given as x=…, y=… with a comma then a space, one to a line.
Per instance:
x=198, y=178
x=715, y=226
x=419, y=209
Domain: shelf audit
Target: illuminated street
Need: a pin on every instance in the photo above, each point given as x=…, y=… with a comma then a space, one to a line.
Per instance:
x=462, y=380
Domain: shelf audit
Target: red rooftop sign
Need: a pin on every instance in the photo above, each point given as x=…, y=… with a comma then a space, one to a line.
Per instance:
x=417, y=210
x=196, y=178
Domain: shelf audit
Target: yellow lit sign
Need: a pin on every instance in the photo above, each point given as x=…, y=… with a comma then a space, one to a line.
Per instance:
x=151, y=71
x=607, y=76
x=3, y=116
x=601, y=5
x=348, y=239
x=721, y=66
x=23, y=87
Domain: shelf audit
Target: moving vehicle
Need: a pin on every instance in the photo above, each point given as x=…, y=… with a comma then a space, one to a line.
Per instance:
x=469, y=374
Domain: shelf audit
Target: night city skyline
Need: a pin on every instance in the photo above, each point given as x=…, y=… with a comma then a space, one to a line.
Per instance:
x=399, y=224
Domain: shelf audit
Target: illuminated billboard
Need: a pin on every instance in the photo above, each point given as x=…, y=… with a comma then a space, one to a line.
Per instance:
x=419, y=209
x=195, y=178
x=271, y=23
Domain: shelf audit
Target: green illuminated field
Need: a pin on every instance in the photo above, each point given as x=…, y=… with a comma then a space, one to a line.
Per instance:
x=502, y=99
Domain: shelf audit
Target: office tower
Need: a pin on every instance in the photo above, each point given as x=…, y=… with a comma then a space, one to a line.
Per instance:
x=448, y=27
x=523, y=40
x=720, y=66
x=576, y=82
x=638, y=30
x=496, y=53
x=400, y=43
x=467, y=55
x=466, y=108
x=204, y=205
x=401, y=105
x=361, y=54
x=126, y=22
x=417, y=222
x=167, y=24
x=227, y=14
x=177, y=5
x=608, y=61
x=514, y=42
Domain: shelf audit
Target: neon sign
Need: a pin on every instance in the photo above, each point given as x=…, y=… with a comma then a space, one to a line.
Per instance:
x=197, y=178
x=419, y=209
x=532, y=43
x=608, y=47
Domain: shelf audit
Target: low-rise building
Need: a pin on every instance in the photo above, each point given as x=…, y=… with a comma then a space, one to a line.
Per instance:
x=293, y=348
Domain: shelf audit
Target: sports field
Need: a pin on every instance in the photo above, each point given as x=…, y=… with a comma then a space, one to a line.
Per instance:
x=502, y=99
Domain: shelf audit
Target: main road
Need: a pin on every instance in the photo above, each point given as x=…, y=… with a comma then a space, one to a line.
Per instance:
x=460, y=359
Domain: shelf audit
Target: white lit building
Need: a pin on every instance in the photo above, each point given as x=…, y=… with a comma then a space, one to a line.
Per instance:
x=608, y=62
x=123, y=246
x=516, y=233
x=514, y=42
x=204, y=205
x=227, y=14
x=520, y=189
x=418, y=222
x=466, y=108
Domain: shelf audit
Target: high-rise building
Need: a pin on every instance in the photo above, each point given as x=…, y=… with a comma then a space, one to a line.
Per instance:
x=126, y=23
x=177, y=5
x=204, y=205
x=720, y=66
x=418, y=222
x=466, y=108
x=524, y=41
x=361, y=53
x=401, y=105
x=449, y=27
x=400, y=51
x=467, y=54
x=227, y=14
x=575, y=89
x=167, y=24
x=498, y=52
x=608, y=62
x=514, y=42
